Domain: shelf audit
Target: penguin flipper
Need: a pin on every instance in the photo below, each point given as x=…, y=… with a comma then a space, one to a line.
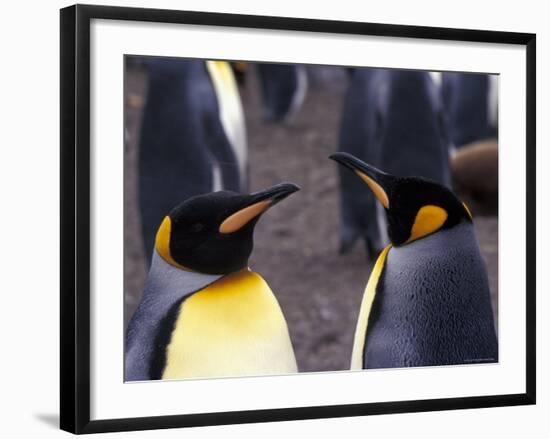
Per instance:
x=136, y=356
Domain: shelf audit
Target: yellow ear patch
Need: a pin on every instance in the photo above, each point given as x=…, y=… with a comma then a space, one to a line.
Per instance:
x=242, y=217
x=428, y=219
x=376, y=189
x=162, y=243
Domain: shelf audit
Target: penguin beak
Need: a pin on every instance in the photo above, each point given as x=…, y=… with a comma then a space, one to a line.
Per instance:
x=256, y=204
x=379, y=182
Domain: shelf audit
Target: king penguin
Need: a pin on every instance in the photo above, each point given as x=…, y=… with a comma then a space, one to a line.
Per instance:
x=471, y=101
x=395, y=120
x=283, y=88
x=203, y=312
x=471, y=105
x=427, y=301
x=192, y=140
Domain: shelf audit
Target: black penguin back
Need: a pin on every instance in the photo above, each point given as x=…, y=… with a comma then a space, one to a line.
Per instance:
x=279, y=84
x=432, y=305
x=414, y=139
x=466, y=98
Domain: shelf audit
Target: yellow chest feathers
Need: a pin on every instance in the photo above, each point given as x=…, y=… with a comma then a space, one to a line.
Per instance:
x=234, y=327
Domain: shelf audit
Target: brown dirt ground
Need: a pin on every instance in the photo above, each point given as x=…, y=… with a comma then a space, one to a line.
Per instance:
x=296, y=242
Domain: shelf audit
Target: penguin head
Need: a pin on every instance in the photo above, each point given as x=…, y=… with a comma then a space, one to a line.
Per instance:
x=415, y=207
x=213, y=233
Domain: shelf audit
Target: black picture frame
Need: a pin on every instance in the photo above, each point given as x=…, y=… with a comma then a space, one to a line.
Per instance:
x=75, y=217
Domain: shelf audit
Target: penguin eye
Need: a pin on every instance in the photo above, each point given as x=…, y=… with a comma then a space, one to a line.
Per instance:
x=197, y=227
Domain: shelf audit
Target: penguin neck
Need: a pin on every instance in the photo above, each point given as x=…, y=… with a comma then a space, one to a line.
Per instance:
x=164, y=278
x=461, y=236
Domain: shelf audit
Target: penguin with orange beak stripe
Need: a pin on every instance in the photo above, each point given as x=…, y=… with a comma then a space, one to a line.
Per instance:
x=427, y=301
x=203, y=312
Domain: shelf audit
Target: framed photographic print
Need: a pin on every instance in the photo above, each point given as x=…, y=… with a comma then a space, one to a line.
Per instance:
x=267, y=218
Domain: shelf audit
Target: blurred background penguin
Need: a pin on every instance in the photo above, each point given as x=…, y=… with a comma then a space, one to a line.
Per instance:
x=192, y=138
x=394, y=120
x=283, y=89
x=471, y=102
x=180, y=140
